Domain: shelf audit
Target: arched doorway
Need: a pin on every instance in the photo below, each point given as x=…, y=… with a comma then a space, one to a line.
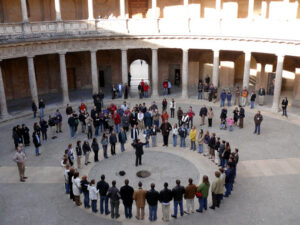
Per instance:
x=139, y=70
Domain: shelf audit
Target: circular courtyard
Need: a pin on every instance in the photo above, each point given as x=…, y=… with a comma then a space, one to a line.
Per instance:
x=269, y=164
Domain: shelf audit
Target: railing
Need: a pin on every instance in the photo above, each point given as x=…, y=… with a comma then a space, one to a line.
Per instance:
x=271, y=29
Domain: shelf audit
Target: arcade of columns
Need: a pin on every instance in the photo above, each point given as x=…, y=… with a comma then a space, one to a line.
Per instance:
x=124, y=69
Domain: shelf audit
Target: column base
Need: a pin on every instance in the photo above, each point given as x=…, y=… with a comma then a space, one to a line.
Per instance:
x=5, y=116
x=65, y=102
x=275, y=108
x=155, y=94
x=184, y=95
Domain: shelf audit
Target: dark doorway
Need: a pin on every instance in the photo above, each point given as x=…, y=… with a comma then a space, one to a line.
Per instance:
x=177, y=77
x=71, y=75
x=101, y=78
x=174, y=74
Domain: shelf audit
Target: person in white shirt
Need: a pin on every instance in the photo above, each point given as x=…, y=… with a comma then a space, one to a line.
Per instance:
x=140, y=118
x=93, y=194
x=172, y=107
x=66, y=176
x=175, y=134
x=76, y=188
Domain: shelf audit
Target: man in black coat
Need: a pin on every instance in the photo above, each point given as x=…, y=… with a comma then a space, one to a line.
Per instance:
x=203, y=114
x=178, y=192
x=138, y=145
x=103, y=186
x=165, y=130
x=165, y=196
x=126, y=195
x=152, y=197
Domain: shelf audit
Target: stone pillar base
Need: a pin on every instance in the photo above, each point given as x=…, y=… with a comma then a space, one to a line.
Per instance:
x=275, y=108
x=296, y=103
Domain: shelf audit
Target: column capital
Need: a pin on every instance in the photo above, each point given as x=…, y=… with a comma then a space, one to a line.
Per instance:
x=124, y=49
x=93, y=50
x=30, y=56
x=185, y=49
x=216, y=50
x=247, y=52
x=154, y=49
x=280, y=55
x=61, y=52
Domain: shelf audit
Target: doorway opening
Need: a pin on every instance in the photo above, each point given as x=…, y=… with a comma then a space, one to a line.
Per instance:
x=139, y=70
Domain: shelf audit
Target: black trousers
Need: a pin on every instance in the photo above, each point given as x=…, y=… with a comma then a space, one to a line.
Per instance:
x=216, y=200
x=166, y=139
x=172, y=112
x=113, y=149
x=209, y=122
x=96, y=156
x=138, y=160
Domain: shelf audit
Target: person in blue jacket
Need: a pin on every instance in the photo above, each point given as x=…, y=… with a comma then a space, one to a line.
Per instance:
x=223, y=98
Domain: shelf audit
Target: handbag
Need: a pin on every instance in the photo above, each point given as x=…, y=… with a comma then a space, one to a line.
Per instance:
x=198, y=194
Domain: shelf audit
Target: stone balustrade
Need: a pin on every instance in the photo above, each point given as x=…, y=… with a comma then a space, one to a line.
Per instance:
x=241, y=28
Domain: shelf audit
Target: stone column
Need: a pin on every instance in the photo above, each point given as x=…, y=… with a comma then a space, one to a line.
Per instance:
x=32, y=80
x=154, y=73
x=122, y=9
x=57, y=10
x=216, y=62
x=154, y=9
x=124, y=66
x=186, y=8
x=94, y=72
x=24, y=11
x=218, y=8
x=247, y=70
x=64, y=78
x=278, y=81
x=3, y=113
x=250, y=9
x=91, y=10
x=185, y=72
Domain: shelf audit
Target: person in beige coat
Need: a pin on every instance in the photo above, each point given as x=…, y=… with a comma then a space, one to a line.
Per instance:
x=216, y=190
x=210, y=115
x=222, y=177
x=200, y=141
x=139, y=196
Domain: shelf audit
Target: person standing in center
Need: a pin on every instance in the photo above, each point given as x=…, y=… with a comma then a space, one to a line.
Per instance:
x=86, y=151
x=284, y=105
x=203, y=114
x=138, y=145
x=139, y=196
x=152, y=197
x=178, y=192
x=190, y=193
x=113, y=140
x=127, y=198
x=165, y=130
x=78, y=154
x=241, y=117
x=95, y=147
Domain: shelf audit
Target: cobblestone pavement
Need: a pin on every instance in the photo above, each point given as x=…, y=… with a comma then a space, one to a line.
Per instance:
x=266, y=189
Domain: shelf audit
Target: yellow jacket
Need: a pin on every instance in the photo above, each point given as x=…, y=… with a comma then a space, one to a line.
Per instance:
x=193, y=134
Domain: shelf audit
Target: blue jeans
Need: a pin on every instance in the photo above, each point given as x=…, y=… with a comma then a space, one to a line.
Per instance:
x=193, y=145
x=37, y=151
x=120, y=94
x=200, y=148
x=222, y=103
x=67, y=187
x=165, y=91
x=153, y=140
x=252, y=105
x=41, y=112
x=228, y=103
x=230, y=128
x=34, y=114
x=72, y=131
x=156, y=122
x=222, y=163
x=104, y=151
x=128, y=211
x=147, y=141
x=122, y=147
x=174, y=140
x=202, y=203
x=257, y=128
x=228, y=187
x=199, y=94
x=101, y=127
x=104, y=200
x=182, y=142
x=146, y=94
x=96, y=130
x=117, y=128
x=86, y=200
x=152, y=213
x=94, y=206
x=176, y=203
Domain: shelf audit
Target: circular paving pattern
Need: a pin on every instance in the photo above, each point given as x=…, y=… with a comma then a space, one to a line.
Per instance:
x=163, y=167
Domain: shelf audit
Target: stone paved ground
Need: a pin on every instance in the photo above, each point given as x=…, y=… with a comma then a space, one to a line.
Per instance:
x=266, y=190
